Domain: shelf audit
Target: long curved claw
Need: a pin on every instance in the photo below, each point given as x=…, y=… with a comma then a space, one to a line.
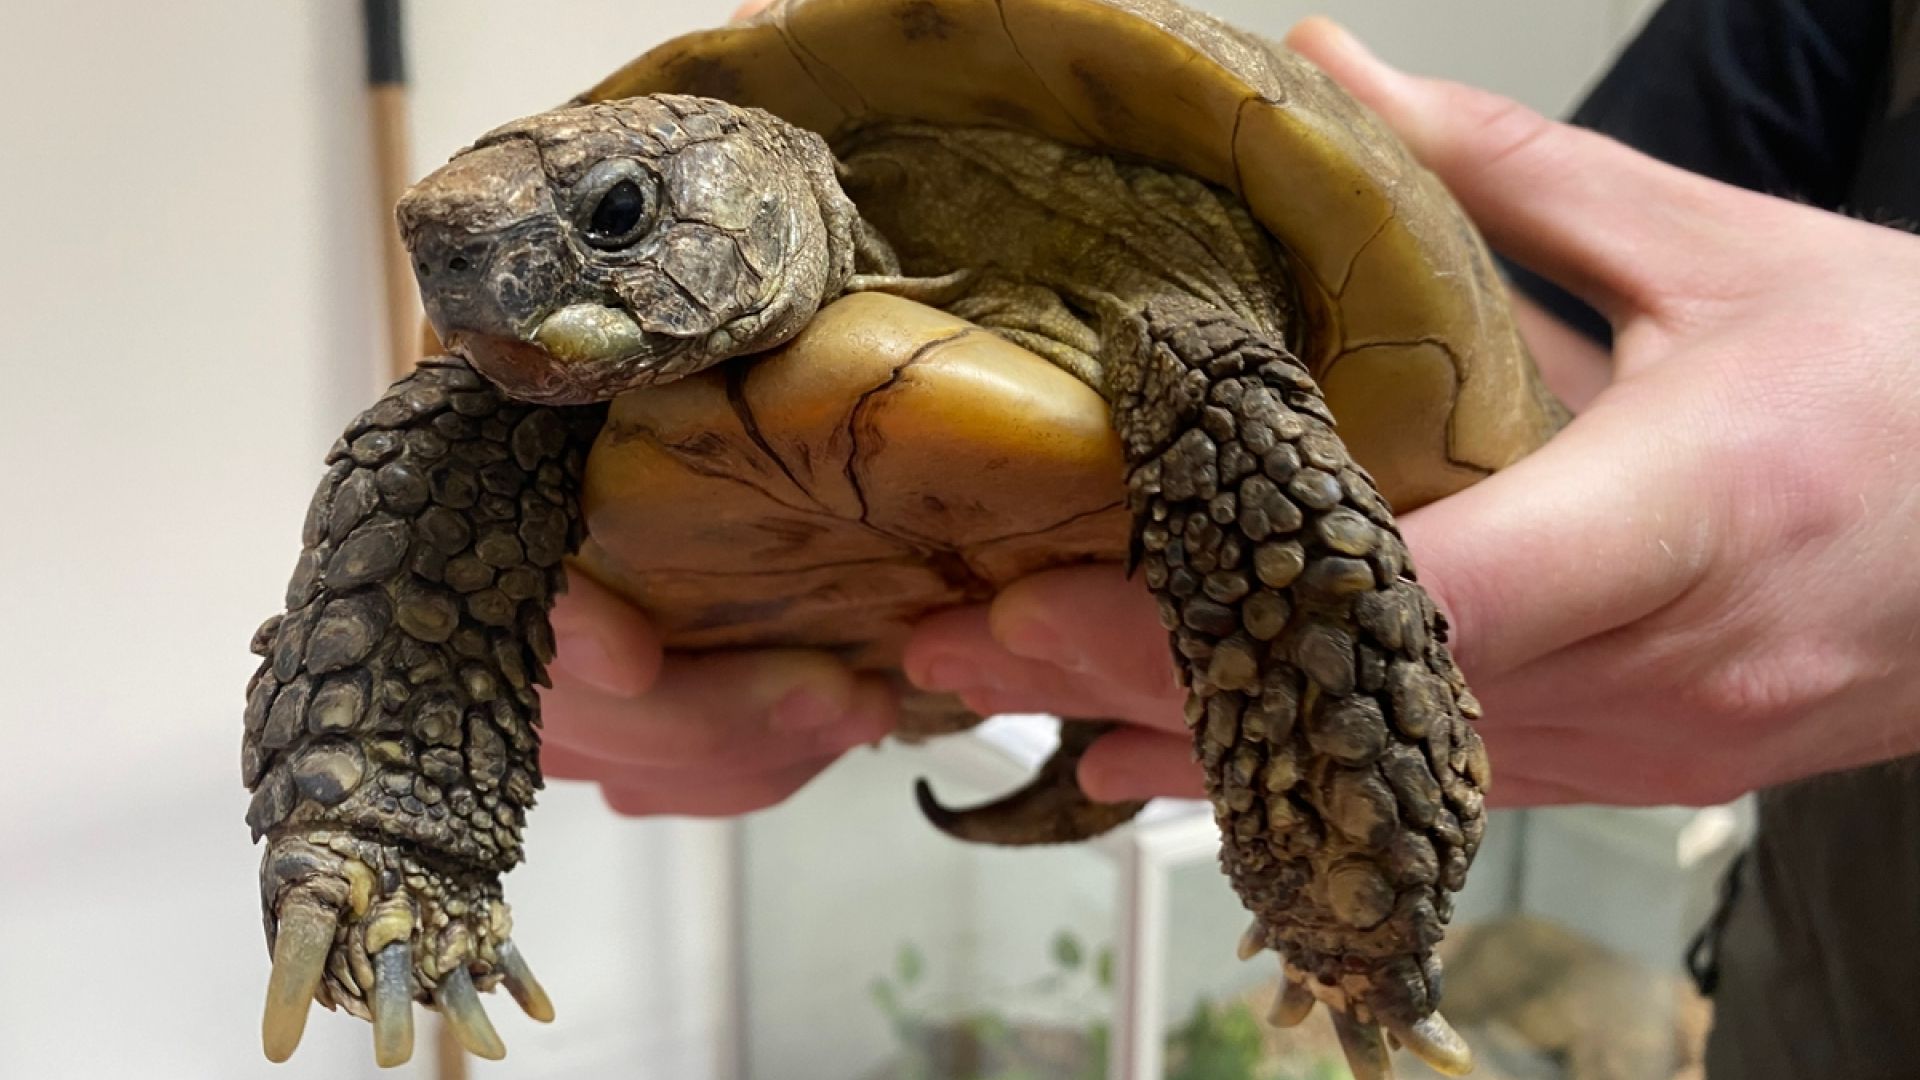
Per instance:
x=1434, y=1041
x=1252, y=941
x=1291, y=1005
x=300, y=948
x=1050, y=809
x=460, y=1003
x=393, y=1005
x=522, y=985
x=1365, y=1047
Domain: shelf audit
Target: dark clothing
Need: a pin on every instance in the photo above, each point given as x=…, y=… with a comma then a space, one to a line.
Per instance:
x=1817, y=962
x=1797, y=98
x=1814, y=960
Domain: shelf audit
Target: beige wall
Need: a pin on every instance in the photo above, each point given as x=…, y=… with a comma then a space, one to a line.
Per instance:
x=189, y=315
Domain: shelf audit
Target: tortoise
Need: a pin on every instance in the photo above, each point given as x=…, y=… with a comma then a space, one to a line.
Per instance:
x=821, y=321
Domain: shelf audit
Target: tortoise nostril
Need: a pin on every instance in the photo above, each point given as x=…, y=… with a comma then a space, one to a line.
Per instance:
x=425, y=270
x=458, y=264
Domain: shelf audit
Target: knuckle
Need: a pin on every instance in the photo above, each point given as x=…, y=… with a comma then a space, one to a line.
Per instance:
x=1500, y=133
x=1752, y=698
x=1783, y=491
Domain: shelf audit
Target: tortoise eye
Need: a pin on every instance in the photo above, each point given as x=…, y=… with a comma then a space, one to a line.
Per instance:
x=622, y=210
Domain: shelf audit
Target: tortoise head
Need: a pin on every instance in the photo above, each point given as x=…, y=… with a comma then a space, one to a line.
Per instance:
x=591, y=250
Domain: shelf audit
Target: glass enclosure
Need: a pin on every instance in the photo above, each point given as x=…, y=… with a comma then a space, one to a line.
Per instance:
x=874, y=948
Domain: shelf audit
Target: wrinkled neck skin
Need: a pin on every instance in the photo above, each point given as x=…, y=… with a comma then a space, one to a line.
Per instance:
x=1061, y=247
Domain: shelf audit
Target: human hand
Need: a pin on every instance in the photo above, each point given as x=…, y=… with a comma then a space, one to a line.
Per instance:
x=707, y=735
x=1704, y=585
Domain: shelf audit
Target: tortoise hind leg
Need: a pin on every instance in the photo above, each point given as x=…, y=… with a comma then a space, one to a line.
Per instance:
x=390, y=734
x=1327, y=713
x=1050, y=809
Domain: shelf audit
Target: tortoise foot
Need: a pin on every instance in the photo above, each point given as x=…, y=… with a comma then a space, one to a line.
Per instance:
x=1330, y=721
x=1365, y=1038
x=363, y=926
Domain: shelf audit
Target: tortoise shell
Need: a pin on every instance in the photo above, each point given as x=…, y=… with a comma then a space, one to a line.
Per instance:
x=892, y=459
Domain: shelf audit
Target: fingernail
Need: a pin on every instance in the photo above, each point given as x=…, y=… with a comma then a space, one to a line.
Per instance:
x=1035, y=640
x=1341, y=38
x=805, y=709
x=585, y=657
x=950, y=673
x=1351, y=42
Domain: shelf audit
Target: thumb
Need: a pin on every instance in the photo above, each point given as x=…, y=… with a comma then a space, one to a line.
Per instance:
x=1615, y=226
x=1597, y=529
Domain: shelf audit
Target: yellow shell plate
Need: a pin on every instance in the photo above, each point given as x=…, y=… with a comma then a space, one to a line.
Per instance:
x=889, y=461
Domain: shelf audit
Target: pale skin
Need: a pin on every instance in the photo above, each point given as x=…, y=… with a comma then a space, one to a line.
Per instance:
x=1705, y=585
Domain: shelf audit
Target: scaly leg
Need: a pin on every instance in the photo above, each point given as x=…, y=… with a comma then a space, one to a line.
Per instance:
x=1327, y=713
x=391, y=732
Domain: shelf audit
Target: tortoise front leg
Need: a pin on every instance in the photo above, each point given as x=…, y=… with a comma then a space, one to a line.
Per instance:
x=1327, y=713
x=391, y=731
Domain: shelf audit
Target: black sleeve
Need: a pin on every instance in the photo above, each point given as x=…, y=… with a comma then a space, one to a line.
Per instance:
x=1771, y=95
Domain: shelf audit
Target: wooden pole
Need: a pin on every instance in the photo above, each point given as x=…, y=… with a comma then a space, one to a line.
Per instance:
x=387, y=97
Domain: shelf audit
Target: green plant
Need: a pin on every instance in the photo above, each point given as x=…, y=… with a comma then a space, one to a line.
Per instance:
x=985, y=1044
x=1215, y=1042
x=1229, y=1042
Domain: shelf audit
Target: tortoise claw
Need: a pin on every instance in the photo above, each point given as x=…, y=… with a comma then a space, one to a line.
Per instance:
x=300, y=949
x=1365, y=1047
x=392, y=1005
x=1252, y=941
x=522, y=985
x=1291, y=1005
x=1435, y=1042
x=364, y=928
x=1050, y=809
x=459, y=1001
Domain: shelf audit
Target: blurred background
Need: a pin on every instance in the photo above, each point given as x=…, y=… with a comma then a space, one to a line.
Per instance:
x=189, y=275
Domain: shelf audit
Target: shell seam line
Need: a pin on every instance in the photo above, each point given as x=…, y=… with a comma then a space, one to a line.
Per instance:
x=1000, y=7
x=737, y=401
x=972, y=549
x=851, y=469
x=693, y=465
x=1346, y=278
x=808, y=61
x=1459, y=385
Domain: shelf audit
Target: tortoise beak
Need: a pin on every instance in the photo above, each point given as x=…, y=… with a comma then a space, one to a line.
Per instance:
x=488, y=248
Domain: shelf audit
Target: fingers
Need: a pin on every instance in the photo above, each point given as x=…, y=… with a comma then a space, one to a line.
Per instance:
x=719, y=798
x=1087, y=621
x=1524, y=792
x=726, y=711
x=1132, y=763
x=1619, y=228
x=1092, y=620
x=1600, y=527
x=703, y=735
x=1613, y=766
x=749, y=9
x=1081, y=643
x=602, y=640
